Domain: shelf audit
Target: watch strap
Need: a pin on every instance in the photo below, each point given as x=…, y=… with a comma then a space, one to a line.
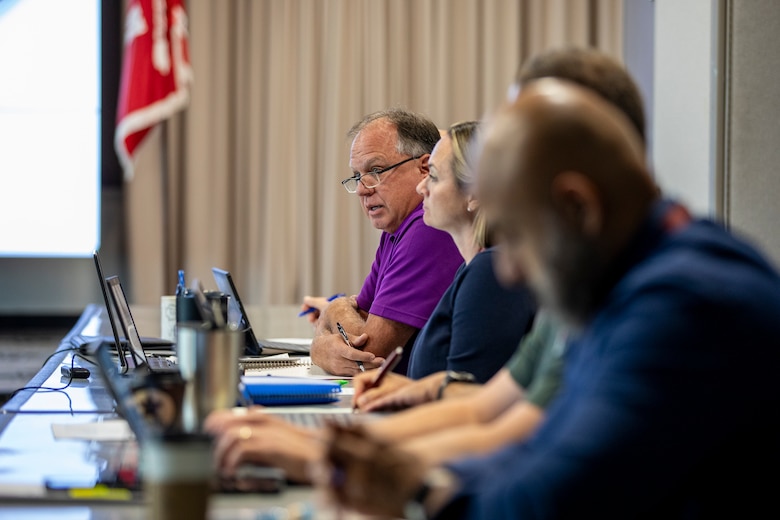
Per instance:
x=454, y=376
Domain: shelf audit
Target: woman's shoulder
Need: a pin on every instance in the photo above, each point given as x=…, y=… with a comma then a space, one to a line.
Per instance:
x=479, y=270
x=482, y=261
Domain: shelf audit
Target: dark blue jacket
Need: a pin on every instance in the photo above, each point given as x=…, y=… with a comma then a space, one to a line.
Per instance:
x=670, y=406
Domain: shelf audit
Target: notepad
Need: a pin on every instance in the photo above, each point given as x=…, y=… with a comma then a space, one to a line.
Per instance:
x=277, y=390
x=272, y=362
x=284, y=365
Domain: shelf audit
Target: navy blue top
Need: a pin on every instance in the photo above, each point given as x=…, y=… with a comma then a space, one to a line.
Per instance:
x=476, y=326
x=670, y=406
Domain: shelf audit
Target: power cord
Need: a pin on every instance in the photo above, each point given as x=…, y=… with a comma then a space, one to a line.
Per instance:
x=67, y=384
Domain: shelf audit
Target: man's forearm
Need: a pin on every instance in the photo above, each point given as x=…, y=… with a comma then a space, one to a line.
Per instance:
x=382, y=335
x=344, y=311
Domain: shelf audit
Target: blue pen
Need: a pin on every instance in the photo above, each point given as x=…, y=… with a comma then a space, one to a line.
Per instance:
x=312, y=309
x=181, y=287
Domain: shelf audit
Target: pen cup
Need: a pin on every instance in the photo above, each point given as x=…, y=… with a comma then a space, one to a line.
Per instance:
x=208, y=363
x=219, y=300
x=187, y=308
x=177, y=473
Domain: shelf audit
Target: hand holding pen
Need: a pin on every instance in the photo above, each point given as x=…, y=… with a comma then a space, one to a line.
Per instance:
x=349, y=343
x=315, y=308
x=390, y=363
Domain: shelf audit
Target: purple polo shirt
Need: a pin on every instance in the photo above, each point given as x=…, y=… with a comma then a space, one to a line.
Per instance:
x=412, y=269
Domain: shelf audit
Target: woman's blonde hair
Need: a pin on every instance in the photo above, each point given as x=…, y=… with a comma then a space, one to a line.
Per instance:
x=464, y=136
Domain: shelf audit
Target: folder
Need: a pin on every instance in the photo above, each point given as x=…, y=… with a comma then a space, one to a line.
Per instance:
x=277, y=390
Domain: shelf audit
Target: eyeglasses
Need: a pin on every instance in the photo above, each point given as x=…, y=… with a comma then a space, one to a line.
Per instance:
x=371, y=179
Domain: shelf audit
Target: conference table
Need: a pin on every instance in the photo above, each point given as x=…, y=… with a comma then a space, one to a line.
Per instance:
x=56, y=442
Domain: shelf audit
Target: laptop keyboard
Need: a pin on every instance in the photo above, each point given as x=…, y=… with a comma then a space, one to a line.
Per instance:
x=160, y=363
x=318, y=420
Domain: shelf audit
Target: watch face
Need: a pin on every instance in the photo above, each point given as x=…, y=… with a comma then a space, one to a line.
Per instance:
x=453, y=376
x=461, y=377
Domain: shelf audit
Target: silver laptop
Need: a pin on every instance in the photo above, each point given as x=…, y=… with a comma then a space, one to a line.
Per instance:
x=88, y=344
x=137, y=358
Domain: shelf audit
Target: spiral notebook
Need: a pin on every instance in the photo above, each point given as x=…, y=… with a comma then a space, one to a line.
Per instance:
x=284, y=365
x=277, y=390
x=261, y=366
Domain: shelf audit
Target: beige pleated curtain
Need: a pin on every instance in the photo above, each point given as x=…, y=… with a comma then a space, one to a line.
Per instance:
x=247, y=178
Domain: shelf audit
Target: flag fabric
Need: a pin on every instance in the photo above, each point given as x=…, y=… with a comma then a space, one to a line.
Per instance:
x=156, y=73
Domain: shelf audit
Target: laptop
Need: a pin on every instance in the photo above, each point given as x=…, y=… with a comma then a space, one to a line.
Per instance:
x=124, y=366
x=146, y=417
x=137, y=358
x=238, y=317
x=88, y=344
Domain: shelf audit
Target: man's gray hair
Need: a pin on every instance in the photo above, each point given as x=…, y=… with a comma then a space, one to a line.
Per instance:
x=417, y=135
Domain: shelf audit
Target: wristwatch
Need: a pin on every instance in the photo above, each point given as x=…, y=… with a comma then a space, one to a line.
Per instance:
x=454, y=376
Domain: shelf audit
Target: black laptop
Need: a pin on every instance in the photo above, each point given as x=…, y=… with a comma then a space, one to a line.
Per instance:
x=88, y=344
x=238, y=317
x=145, y=410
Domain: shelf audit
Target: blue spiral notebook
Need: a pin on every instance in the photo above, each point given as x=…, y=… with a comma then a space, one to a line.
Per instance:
x=276, y=390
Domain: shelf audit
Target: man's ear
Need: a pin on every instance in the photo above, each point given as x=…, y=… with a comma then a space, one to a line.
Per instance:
x=578, y=202
x=424, y=168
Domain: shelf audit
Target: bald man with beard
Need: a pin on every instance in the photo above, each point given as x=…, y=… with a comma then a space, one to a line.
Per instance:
x=669, y=403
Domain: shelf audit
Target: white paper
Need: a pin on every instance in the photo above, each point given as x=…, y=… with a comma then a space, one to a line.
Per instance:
x=110, y=430
x=304, y=368
x=24, y=490
x=294, y=341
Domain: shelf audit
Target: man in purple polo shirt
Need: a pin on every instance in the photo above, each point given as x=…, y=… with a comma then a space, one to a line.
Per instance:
x=414, y=263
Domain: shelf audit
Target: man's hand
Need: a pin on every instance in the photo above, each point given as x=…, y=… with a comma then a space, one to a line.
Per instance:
x=344, y=310
x=332, y=354
x=367, y=332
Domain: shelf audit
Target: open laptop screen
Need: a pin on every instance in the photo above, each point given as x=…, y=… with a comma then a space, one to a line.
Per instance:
x=236, y=312
x=138, y=356
x=123, y=363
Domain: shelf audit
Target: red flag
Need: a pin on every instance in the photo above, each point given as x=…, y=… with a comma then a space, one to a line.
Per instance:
x=156, y=73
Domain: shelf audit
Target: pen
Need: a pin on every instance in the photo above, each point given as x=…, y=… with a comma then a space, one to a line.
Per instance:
x=388, y=366
x=346, y=340
x=180, y=288
x=312, y=309
x=390, y=363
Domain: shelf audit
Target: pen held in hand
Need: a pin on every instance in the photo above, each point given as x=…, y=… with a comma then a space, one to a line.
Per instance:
x=390, y=363
x=388, y=366
x=344, y=334
x=346, y=340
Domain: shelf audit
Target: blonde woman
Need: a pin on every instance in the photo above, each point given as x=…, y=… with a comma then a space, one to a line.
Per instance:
x=478, y=323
